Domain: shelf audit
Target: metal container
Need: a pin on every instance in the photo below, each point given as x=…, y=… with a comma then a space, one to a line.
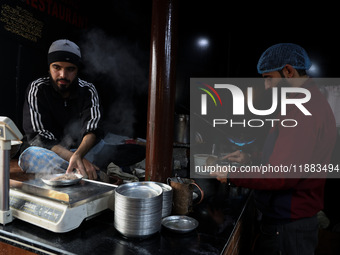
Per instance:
x=167, y=198
x=183, y=194
x=138, y=209
x=49, y=180
x=182, y=128
x=180, y=223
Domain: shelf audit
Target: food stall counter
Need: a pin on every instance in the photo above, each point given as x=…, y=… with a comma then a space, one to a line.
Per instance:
x=218, y=216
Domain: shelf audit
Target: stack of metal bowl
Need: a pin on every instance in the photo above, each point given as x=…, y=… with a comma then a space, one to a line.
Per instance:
x=167, y=199
x=138, y=209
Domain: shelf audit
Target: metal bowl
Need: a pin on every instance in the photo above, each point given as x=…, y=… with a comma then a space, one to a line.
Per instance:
x=47, y=179
x=138, y=190
x=167, y=198
x=180, y=223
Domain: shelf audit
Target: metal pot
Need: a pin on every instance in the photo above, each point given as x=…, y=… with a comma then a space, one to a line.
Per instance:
x=138, y=209
x=182, y=128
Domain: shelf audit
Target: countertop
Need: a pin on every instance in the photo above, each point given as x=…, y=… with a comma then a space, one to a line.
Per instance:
x=217, y=216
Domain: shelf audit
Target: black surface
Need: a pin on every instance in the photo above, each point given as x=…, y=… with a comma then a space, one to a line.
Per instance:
x=98, y=235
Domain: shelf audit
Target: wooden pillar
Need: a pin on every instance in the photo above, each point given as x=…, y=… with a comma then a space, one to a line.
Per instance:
x=162, y=88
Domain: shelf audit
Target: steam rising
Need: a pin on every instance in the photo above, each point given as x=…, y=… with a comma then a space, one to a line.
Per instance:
x=119, y=69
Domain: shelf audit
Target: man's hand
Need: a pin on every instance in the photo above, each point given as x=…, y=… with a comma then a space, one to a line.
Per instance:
x=239, y=157
x=76, y=159
x=83, y=167
x=236, y=156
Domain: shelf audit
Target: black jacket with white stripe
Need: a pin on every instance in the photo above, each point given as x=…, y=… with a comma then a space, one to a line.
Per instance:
x=49, y=119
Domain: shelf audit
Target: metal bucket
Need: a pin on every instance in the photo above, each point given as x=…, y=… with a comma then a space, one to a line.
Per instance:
x=138, y=209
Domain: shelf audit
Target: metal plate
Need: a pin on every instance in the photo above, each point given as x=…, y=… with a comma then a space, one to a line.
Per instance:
x=139, y=190
x=179, y=223
x=48, y=180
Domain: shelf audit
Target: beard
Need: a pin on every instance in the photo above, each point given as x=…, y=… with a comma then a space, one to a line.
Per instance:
x=283, y=82
x=63, y=88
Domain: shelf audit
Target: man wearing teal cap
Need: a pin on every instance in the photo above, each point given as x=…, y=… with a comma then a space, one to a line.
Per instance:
x=288, y=205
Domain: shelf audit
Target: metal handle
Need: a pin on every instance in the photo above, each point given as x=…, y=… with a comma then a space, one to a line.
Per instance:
x=202, y=193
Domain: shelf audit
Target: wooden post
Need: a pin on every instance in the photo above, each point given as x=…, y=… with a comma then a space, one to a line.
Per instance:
x=162, y=88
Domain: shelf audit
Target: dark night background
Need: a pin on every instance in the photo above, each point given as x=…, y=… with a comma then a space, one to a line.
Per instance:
x=115, y=46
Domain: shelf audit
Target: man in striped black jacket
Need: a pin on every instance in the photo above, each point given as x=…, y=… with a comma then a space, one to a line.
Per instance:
x=62, y=112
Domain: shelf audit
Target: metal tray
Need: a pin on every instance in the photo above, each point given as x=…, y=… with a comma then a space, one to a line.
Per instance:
x=179, y=223
x=47, y=180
